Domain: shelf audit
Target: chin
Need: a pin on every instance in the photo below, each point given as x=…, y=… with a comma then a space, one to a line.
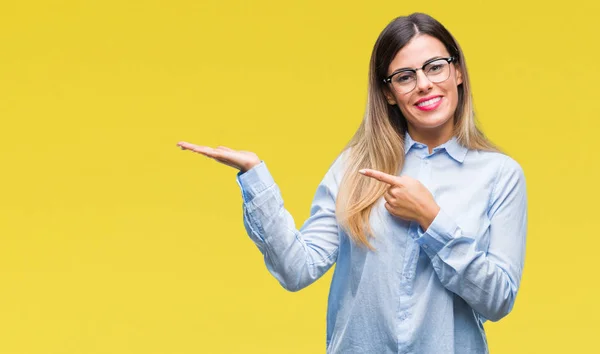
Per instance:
x=431, y=122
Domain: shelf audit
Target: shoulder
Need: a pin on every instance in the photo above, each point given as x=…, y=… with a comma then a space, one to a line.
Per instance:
x=340, y=164
x=498, y=160
x=508, y=173
x=502, y=169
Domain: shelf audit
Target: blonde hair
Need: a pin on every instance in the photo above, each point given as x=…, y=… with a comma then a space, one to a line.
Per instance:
x=379, y=141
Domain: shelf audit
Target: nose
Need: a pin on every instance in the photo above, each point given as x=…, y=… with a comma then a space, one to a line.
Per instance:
x=423, y=83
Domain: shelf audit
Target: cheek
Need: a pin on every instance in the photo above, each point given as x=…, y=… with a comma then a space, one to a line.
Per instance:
x=404, y=106
x=406, y=113
x=452, y=94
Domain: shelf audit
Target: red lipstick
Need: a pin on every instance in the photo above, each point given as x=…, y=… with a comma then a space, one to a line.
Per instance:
x=429, y=103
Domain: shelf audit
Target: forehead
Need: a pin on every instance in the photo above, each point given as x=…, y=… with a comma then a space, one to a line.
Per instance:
x=420, y=48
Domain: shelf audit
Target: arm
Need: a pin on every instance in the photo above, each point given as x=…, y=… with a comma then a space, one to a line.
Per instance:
x=296, y=258
x=487, y=279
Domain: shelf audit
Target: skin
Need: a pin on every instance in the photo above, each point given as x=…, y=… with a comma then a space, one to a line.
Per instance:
x=431, y=128
x=241, y=160
x=406, y=197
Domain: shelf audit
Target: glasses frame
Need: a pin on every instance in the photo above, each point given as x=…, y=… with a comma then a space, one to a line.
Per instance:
x=388, y=80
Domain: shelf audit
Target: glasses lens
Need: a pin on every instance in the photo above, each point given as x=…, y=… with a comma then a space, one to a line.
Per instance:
x=404, y=81
x=437, y=71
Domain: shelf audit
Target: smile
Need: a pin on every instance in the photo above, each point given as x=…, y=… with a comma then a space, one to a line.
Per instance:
x=430, y=104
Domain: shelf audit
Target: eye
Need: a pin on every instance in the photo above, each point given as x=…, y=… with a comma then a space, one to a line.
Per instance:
x=435, y=68
x=403, y=78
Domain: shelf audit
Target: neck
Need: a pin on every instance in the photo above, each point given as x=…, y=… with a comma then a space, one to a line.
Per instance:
x=431, y=137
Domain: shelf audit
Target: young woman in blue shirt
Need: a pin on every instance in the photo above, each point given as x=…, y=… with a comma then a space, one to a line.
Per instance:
x=423, y=216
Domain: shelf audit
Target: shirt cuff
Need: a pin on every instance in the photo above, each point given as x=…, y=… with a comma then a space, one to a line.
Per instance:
x=254, y=181
x=440, y=232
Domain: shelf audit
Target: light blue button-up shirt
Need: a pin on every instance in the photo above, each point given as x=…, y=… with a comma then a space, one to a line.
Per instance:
x=420, y=291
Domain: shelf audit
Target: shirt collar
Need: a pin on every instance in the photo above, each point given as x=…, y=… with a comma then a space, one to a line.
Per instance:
x=408, y=142
x=452, y=147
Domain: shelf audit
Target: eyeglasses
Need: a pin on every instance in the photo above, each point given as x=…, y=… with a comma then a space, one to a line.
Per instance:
x=405, y=80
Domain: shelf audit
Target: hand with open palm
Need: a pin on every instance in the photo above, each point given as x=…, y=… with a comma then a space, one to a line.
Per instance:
x=242, y=160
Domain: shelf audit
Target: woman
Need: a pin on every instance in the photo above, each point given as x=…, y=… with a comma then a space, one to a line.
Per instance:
x=423, y=216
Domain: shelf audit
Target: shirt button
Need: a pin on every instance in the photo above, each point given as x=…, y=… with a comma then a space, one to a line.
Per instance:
x=425, y=246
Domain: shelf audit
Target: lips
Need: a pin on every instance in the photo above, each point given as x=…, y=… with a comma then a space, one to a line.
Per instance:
x=429, y=103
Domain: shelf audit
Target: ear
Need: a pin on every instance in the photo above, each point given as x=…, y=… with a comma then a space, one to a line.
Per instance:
x=389, y=97
x=458, y=75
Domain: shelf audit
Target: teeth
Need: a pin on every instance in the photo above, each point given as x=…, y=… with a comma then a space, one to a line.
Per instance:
x=428, y=102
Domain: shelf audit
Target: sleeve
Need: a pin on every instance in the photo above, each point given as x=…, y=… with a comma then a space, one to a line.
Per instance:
x=296, y=258
x=487, y=279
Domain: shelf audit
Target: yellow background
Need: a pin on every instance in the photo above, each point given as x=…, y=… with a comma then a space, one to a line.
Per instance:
x=112, y=240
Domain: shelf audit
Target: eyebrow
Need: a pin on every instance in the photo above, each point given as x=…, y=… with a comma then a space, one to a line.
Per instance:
x=425, y=63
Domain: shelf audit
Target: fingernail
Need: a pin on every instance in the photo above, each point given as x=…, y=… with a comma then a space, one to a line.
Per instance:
x=362, y=171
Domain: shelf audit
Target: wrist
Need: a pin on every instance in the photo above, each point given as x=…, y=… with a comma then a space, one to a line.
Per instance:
x=428, y=216
x=250, y=166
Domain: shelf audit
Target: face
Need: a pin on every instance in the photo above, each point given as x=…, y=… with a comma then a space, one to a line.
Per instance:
x=429, y=107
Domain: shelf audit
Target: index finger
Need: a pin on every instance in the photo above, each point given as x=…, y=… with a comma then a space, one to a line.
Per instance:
x=186, y=146
x=380, y=176
x=204, y=150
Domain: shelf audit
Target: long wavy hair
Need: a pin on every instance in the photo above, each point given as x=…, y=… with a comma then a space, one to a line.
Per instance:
x=379, y=141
